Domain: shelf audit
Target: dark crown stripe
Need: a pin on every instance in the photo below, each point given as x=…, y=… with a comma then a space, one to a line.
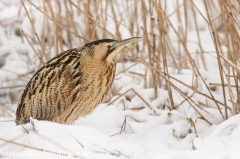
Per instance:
x=99, y=41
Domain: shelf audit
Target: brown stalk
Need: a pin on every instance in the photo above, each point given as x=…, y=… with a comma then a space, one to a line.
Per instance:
x=216, y=44
x=198, y=36
x=56, y=36
x=162, y=48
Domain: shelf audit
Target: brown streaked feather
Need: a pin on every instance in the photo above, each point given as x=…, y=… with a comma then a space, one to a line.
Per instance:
x=47, y=93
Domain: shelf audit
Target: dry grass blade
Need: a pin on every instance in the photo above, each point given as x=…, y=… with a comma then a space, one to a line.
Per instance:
x=35, y=51
x=38, y=149
x=35, y=32
x=12, y=87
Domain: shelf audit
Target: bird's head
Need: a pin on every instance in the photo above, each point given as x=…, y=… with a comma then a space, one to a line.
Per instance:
x=108, y=49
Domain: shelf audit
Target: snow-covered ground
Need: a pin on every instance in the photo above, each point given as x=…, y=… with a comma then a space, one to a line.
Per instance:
x=134, y=125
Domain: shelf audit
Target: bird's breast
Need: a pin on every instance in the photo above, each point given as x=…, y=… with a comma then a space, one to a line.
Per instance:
x=95, y=81
x=102, y=79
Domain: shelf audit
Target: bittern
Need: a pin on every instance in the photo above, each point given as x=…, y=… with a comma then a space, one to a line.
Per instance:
x=71, y=84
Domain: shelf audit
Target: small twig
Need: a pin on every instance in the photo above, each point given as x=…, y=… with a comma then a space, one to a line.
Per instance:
x=39, y=57
x=139, y=74
x=219, y=84
x=133, y=92
x=7, y=121
x=123, y=125
x=234, y=103
x=24, y=129
x=204, y=120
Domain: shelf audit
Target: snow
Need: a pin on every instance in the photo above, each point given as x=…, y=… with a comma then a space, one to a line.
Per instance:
x=163, y=137
x=133, y=124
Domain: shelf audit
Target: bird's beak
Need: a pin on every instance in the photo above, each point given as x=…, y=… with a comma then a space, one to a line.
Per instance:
x=122, y=43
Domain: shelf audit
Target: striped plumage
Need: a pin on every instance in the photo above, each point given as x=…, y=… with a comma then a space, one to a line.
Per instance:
x=71, y=84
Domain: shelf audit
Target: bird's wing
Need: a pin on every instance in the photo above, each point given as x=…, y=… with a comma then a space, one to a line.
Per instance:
x=49, y=92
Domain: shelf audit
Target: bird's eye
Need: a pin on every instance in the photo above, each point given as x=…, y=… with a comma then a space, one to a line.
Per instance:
x=109, y=46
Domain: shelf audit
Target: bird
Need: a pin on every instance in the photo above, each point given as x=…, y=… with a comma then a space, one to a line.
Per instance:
x=71, y=84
